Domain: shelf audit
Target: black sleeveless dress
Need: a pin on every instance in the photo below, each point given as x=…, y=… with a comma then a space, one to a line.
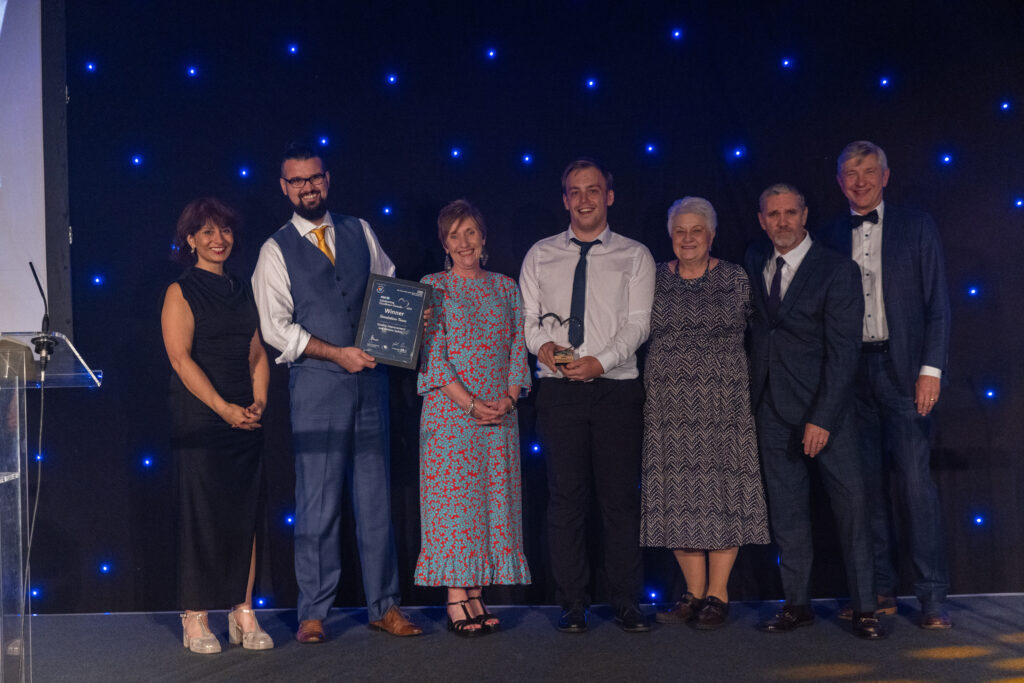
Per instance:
x=219, y=468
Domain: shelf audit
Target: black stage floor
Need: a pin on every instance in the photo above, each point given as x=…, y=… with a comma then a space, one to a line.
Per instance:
x=986, y=643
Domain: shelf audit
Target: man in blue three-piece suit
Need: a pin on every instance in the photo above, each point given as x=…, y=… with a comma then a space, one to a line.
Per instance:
x=309, y=284
x=905, y=339
x=805, y=344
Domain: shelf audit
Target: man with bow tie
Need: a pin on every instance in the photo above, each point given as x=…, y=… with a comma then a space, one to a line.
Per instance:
x=903, y=358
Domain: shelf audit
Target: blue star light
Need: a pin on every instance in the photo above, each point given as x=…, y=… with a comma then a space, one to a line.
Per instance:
x=243, y=172
x=136, y=160
x=293, y=49
x=527, y=159
x=591, y=83
x=456, y=152
x=97, y=280
x=386, y=210
x=786, y=62
x=677, y=34
x=491, y=53
x=650, y=148
x=105, y=568
x=323, y=141
x=392, y=79
x=192, y=71
x=91, y=66
x=884, y=81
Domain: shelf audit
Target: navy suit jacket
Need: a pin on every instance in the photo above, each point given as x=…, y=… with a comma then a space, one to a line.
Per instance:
x=806, y=355
x=913, y=288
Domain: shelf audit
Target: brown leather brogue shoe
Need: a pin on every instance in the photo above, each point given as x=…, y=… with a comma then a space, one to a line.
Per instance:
x=937, y=619
x=886, y=607
x=311, y=631
x=395, y=623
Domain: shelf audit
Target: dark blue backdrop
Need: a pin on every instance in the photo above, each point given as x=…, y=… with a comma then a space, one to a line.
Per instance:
x=715, y=111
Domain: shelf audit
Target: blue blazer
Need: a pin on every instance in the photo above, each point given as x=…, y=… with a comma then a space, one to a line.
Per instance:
x=914, y=290
x=806, y=356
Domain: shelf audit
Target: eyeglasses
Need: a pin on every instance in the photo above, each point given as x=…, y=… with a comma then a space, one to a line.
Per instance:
x=297, y=182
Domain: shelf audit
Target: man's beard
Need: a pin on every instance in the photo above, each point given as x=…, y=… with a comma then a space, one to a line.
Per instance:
x=311, y=214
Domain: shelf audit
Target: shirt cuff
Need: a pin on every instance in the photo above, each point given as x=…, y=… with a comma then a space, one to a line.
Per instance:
x=930, y=371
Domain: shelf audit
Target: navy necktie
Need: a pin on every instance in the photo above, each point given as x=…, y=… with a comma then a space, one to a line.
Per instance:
x=869, y=217
x=578, y=307
x=775, y=293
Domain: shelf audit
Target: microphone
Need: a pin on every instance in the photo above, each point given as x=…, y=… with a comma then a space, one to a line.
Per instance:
x=44, y=341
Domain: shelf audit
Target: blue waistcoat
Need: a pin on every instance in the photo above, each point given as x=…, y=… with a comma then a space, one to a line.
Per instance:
x=327, y=300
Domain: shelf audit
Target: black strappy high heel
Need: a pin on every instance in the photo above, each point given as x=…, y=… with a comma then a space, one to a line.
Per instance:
x=461, y=627
x=483, y=618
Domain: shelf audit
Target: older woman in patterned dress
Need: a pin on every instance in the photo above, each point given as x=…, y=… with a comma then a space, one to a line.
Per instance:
x=702, y=491
x=472, y=373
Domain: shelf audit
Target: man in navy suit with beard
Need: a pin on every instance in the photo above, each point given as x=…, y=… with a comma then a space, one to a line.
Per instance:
x=805, y=345
x=904, y=353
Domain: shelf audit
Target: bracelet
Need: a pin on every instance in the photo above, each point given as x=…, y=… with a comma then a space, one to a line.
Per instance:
x=472, y=404
x=515, y=402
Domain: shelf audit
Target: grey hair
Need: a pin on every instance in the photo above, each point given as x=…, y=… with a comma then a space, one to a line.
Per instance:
x=697, y=205
x=859, y=150
x=777, y=189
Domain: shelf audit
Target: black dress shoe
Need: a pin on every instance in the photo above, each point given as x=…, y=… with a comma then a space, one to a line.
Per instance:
x=712, y=615
x=573, y=620
x=790, y=617
x=632, y=620
x=867, y=626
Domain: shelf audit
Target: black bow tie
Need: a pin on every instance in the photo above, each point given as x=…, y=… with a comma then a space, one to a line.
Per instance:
x=870, y=217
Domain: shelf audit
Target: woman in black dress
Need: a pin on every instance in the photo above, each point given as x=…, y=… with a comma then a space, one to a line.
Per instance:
x=217, y=396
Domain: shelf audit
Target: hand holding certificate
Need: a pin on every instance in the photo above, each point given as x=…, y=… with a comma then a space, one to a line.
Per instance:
x=391, y=324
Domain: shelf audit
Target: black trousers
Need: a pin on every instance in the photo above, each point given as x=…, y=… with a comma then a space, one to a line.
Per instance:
x=592, y=434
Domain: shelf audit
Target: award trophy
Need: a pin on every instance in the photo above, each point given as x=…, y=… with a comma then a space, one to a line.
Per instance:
x=562, y=356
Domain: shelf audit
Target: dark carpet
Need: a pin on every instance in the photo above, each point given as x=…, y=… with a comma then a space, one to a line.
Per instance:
x=985, y=643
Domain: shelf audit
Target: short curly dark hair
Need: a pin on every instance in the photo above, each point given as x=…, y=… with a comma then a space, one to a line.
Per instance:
x=196, y=214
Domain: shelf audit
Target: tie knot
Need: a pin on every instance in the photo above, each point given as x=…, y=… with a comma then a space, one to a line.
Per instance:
x=779, y=262
x=585, y=246
x=856, y=220
x=319, y=231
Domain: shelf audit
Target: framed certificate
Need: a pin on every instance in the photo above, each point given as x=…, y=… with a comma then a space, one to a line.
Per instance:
x=391, y=323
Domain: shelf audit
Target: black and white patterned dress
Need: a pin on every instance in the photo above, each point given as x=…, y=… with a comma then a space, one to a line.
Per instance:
x=701, y=480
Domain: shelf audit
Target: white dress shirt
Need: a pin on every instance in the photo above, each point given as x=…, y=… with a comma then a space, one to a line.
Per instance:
x=620, y=291
x=867, y=252
x=793, y=259
x=271, y=286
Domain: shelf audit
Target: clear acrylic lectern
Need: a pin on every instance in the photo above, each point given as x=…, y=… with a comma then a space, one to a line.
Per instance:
x=20, y=369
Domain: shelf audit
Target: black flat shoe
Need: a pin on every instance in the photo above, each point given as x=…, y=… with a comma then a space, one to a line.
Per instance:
x=573, y=620
x=463, y=628
x=789, y=618
x=683, y=611
x=632, y=620
x=867, y=626
x=712, y=615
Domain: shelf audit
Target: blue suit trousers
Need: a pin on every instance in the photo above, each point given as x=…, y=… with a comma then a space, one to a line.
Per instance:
x=340, y=442
x=892, y=432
